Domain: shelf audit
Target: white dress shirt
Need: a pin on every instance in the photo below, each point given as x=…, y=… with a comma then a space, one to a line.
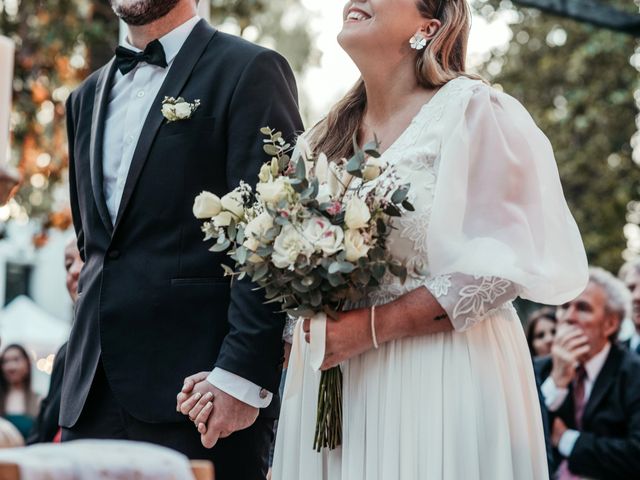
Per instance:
x=130, y=101
x=634, y=341
x=555, y=396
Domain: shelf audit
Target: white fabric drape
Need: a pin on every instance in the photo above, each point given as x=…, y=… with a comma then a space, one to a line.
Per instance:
x=99, y=460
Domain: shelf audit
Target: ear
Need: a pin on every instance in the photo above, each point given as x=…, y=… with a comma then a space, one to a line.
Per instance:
x=430, y=28
x=611, y=324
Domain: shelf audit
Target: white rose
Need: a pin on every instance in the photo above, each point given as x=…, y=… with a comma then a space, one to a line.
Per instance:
x=206, y=205
x=169, y=112
x=288, y=245
x=233, y=203
x=373, y=168
x=259, y=226
x=183, y=110
x=223, y=219
x=357, y=214
x=273, y=192
x=354, y=246
x=325, y=237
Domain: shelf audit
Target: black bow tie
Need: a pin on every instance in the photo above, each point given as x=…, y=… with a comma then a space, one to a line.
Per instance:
x=126, y=60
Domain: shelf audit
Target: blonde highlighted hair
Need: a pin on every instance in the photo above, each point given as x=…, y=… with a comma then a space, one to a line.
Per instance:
x=442, y=60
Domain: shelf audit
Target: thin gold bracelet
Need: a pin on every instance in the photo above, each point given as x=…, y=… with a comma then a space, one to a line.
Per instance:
x=373, y=327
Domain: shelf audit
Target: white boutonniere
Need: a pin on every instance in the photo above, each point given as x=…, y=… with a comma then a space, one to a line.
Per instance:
x=175, y=109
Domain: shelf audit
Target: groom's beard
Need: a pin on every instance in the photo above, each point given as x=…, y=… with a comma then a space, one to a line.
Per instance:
x=142, y=12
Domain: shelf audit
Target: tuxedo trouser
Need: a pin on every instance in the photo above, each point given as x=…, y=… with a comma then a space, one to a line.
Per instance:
x=242, y=456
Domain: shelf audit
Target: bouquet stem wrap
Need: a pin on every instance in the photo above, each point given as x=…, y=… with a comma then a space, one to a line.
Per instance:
x=328, y=433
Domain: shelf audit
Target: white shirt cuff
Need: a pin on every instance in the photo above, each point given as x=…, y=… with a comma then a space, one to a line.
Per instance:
x=240, y=388
x=567, y=442
x=553, y=395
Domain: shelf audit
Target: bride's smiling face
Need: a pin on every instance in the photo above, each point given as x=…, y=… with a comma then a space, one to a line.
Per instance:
x=379, y=27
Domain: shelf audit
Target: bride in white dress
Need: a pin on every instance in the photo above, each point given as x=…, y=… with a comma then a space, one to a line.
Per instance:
x=450, y=392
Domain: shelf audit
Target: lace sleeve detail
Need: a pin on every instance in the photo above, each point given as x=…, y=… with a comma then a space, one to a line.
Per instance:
x=467, y=299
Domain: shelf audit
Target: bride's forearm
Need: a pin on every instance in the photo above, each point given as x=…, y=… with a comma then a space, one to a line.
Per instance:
x=415, y=314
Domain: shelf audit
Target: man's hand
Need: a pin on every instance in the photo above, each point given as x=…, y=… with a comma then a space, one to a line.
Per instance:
x=229, y=415
x=558, y=430
x=569, y=345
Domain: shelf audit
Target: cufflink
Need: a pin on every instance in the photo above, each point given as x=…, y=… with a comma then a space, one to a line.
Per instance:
x=263, y=393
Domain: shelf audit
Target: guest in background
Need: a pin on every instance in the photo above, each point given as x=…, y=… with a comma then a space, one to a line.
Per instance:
x=46, y=427
x=591, y=386
x=18, y=402
x=630, y=275
x=541, y=329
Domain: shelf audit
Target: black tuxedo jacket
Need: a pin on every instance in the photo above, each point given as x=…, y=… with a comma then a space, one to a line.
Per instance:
x=154, y=305
x=609, y=443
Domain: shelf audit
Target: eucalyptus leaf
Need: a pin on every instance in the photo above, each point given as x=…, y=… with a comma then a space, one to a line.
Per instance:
x=266, y=131
x=220, y=247
x=408, y=206
x=400, y=195
x=271, y=150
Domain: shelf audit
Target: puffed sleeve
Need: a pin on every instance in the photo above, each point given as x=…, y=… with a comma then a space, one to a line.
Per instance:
x=500, y=226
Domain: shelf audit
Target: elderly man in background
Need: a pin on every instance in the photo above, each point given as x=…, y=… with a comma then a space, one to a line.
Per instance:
x=630, y=275
x=591, y=386
x=46, y=429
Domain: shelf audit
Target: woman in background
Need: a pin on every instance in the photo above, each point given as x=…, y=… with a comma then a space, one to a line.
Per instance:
x=541, y=330
x=19, y=404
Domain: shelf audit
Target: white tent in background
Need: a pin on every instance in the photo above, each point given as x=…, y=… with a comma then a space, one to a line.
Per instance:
x=40, y=333
x=23, y=322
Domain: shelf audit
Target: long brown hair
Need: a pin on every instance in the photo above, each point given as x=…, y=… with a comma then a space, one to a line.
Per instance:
x=442, y=60
x=31, y=399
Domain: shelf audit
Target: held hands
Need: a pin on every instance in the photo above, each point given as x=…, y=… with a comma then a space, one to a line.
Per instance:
x=215, y=413
x=569, y=346
x=347, y=337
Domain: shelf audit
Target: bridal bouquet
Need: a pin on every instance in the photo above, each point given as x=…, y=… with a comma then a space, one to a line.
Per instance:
x=313, y=236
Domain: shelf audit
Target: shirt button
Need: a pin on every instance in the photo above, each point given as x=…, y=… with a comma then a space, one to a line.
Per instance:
x=263, y=393
x=141, y=94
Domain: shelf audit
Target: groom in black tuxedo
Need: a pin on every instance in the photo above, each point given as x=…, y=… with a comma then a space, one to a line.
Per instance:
x=154, y=306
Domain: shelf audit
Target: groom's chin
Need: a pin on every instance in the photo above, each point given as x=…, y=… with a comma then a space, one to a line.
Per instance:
x=138, y=13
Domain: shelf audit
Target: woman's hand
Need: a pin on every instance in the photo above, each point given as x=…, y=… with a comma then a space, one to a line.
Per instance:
x=347, y=337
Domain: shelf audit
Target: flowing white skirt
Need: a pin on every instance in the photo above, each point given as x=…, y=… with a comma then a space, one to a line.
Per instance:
x=454, y=406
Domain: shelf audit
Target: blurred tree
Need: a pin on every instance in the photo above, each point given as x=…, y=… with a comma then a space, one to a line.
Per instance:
x=59, y=42
x=580, y=86
x=282, y=25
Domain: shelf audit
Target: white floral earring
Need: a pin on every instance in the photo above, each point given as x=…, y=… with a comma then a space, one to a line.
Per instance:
x=418, y=41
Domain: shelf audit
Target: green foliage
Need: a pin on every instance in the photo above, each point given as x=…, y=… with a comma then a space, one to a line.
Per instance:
x=578, y=84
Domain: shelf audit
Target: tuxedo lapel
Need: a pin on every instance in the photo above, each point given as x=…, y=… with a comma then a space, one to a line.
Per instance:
x=101, y=101
x=176, y=79
x=603, y=383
